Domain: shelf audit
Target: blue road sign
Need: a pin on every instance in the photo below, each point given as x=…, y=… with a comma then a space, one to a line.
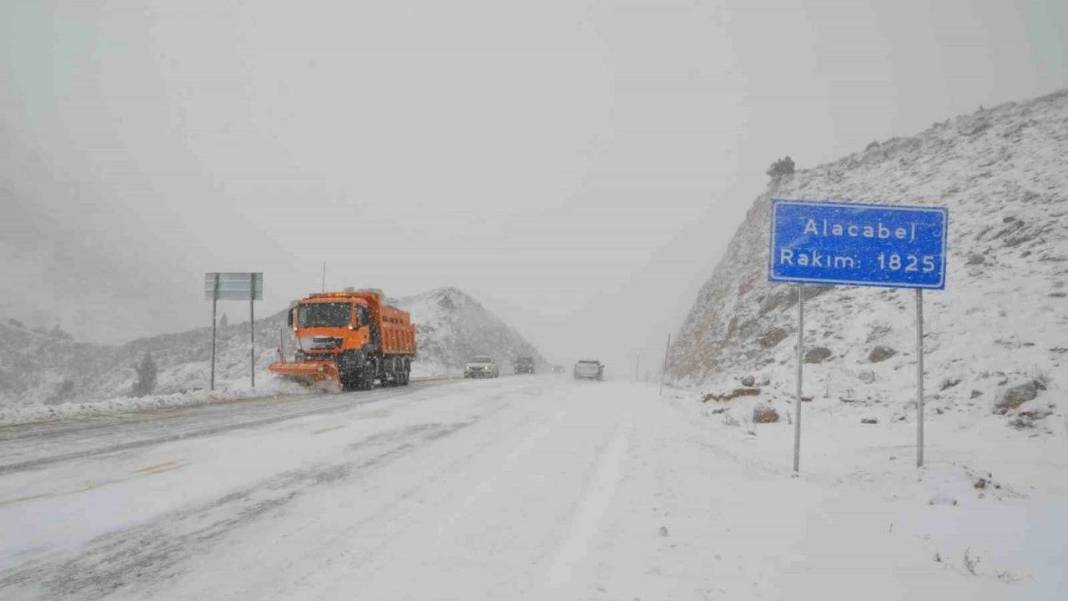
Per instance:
x=858, y=244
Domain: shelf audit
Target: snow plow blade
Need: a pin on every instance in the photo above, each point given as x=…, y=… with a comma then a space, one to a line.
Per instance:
x=311, y=372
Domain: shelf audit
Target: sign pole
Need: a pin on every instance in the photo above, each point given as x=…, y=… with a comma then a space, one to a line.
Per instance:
x=800, y=363
x=214, y=304
x=919, y=377
x=252, y=329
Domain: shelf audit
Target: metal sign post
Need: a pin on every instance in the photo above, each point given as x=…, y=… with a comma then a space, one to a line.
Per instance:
x=800, y=363
x=252, y=331
x=858, y=244
x=919, y=377
x=214, y=304
x=234, y=286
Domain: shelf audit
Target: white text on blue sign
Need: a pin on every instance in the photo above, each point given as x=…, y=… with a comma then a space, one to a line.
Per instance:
x=858, y=244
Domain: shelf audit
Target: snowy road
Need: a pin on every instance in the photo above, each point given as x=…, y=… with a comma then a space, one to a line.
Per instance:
x=518, y=488
x=34, y=445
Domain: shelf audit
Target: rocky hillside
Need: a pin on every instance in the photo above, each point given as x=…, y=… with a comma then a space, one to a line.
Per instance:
x=451, y=327
x=999, y=329
x=48, y=367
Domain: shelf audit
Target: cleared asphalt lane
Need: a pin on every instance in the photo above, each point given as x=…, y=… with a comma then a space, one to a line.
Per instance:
x=34, y=445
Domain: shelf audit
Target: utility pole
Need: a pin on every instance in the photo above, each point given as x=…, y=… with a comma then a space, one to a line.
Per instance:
x=663, y=371
x=324, y=276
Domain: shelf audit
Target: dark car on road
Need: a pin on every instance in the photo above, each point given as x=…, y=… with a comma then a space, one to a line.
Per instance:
x=524, y=365
x=589, y=369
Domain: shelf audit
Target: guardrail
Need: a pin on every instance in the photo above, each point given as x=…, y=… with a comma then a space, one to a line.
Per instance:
x=436, y=378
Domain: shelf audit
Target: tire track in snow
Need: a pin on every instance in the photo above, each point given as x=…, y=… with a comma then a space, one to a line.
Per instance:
x=595, y=503
x=200, y=428
x=510, y=461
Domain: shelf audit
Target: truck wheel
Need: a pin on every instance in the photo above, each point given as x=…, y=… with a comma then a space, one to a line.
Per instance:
x=348, y=380
x=389, y=373
x=348, y=371
x=365, y=380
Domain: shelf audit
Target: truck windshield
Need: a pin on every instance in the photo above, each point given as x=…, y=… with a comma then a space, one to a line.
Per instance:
x=324, y=315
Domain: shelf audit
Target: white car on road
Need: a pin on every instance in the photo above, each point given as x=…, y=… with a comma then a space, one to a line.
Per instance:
x=481, y=367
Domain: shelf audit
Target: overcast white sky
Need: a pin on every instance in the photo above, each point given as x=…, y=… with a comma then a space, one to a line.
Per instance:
x=576, y=165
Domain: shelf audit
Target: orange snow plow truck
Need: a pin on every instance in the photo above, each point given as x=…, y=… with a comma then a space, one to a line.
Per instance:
x=349, y=338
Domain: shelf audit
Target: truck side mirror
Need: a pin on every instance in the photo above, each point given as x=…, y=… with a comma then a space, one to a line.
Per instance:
x=289, y=318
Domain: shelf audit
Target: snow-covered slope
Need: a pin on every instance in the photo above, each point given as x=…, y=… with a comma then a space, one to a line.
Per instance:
x=1002, y=321
x=40, y=367
x=451, y=327
x=48, y=368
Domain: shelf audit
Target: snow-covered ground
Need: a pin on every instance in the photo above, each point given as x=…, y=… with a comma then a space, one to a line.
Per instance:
x=46, y=374
x=529, y=488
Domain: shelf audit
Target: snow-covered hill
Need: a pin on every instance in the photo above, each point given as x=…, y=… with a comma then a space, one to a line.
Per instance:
x=451, y=327
x=999, y=330
x=48, y=368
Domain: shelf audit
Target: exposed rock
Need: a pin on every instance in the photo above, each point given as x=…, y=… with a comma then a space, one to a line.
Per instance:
x=817, y=354
x=867, y=376
x=1036, y=414
x=1014, y=396
x=748, y=381
x=880, y=353
x=772, y=337
x=948, y=383
x=763, y=414
x=942, y=499
x=877, y=331
x=869, y=420
x=975, y=259
x=1022, y=422
x=726, y=396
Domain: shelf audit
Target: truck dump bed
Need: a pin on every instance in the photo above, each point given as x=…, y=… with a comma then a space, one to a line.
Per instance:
x=398, y=333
